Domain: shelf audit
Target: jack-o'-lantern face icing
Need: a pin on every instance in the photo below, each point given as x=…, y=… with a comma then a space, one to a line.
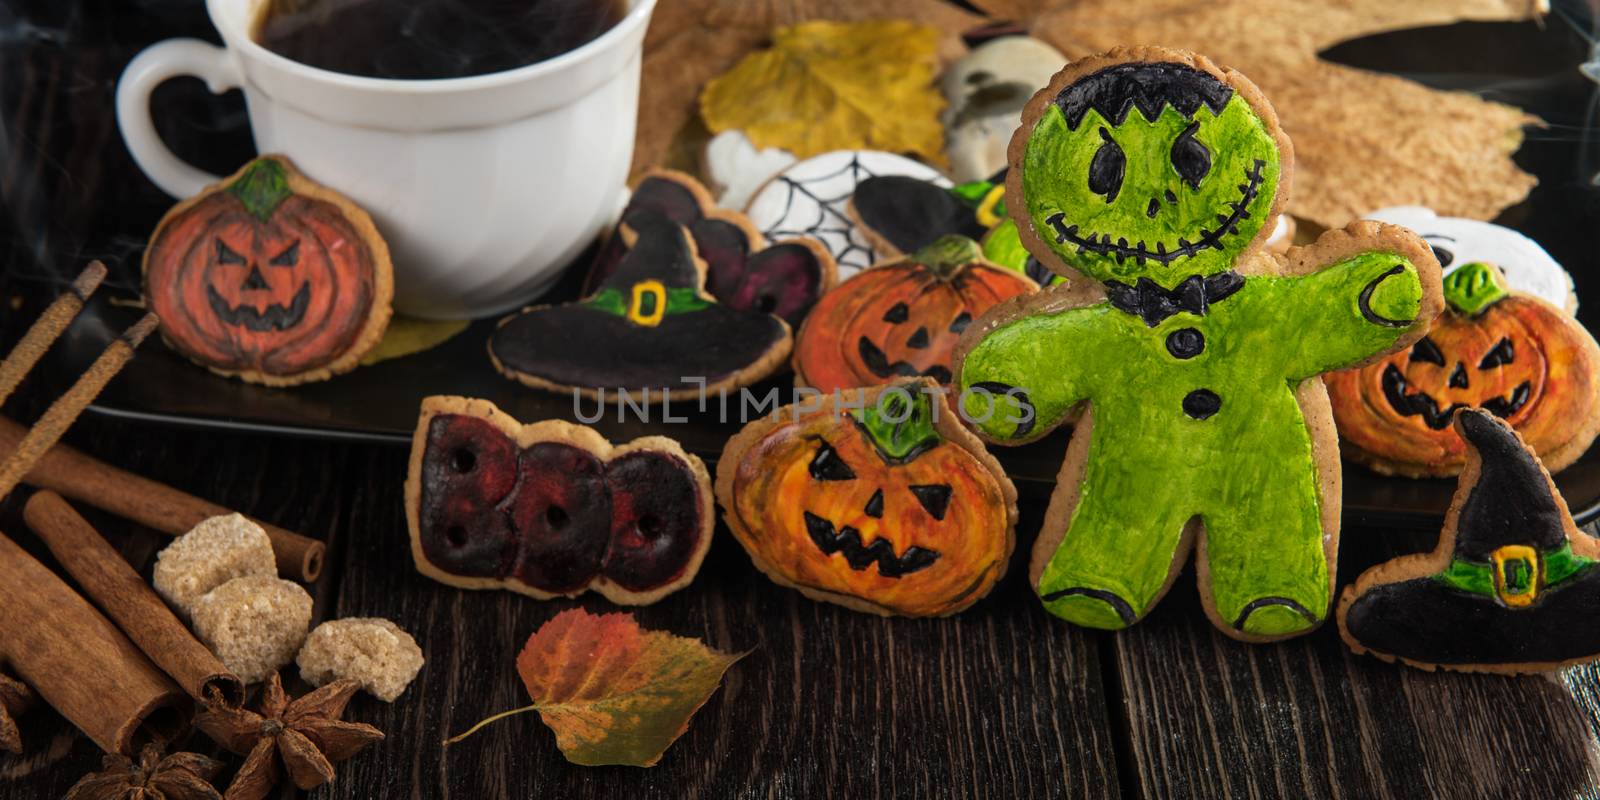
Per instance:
x=552, y=509
x=1130, y=177
x=1510, y=354
x=901, y=319
x=269, y=277
x=873, y=507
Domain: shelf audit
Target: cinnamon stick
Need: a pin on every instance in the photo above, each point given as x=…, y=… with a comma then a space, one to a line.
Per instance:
x=48, y=327
x=80, y=663
x=79, y=477
x=124, y=596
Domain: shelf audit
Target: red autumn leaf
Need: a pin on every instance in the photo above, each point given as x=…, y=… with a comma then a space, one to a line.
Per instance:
x=612, y=692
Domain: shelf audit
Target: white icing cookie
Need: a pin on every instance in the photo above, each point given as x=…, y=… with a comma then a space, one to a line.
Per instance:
x=985, y=91
x=737, y=169
x=810, y=199
x=1457, y=241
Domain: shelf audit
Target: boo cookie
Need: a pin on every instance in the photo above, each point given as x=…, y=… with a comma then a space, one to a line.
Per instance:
x=1157, y=174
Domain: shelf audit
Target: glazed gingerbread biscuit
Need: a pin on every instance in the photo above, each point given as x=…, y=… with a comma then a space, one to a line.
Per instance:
x=650, y=332
x=552, y=509
x=743, y=272
x=1151, y=177
x=811, y=199
x=1507, y=352
x=1512, y=587
x=269, y=277
x=901, y=318
x=878, y=500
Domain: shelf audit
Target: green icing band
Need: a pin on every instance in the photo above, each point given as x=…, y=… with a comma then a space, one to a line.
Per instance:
x=1478, y=578
x=615, y=301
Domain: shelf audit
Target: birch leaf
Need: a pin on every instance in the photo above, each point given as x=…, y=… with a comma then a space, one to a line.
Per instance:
x=826, y=86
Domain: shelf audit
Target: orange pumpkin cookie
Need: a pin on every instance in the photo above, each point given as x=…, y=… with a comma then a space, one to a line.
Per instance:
x=552, y=509
x=879, y=501
x=901, y=319
x=269, y=277
x=1503, y=351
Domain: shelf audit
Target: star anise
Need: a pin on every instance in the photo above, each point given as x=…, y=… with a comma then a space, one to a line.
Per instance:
x=180, y=776
x=15, y=698
x=303, y=737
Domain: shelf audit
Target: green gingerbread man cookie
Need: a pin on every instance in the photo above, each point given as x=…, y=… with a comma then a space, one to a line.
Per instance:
x=1151, y=177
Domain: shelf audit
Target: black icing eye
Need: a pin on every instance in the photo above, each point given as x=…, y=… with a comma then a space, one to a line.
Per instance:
x=1444, y=256
x=288, y=258
x=827, y=466
x=1107, y=167
x=226, y=254
x=1427, y=352
x=935, y=498
x=1502, y=353
x=1190, y=157
x=961, y=322
x=897, y=313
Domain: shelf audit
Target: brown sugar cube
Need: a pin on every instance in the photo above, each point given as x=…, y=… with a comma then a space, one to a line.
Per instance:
x=372, y=651
x=254, y=624
x=214, y=552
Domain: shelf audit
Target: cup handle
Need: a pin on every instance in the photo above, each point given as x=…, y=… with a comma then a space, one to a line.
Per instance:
x=170, y=59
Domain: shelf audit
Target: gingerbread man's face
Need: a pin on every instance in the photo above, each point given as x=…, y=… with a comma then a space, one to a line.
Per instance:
x=1150, y=170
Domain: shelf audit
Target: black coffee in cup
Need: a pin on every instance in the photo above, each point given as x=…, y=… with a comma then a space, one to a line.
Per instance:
x=426, y=39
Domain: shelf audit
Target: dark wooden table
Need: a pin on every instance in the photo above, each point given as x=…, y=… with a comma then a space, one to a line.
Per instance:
x=1002, y=701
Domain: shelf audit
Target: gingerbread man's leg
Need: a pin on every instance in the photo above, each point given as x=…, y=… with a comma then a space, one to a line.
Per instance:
x=1115, y=560
x=1263, y=552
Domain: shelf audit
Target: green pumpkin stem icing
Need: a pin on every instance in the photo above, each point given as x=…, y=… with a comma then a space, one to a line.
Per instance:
x=899, y=424
x=946, y=255
x=1471, y=288
x=262, y=188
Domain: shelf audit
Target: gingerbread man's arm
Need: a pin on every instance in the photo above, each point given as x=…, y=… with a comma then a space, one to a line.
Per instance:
x=1021, y=376
x=1356, y=294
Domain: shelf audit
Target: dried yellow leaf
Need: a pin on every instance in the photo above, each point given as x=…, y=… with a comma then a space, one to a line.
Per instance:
x=826, y=86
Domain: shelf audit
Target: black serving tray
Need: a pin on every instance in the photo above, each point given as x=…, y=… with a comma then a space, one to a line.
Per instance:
x=71, y=193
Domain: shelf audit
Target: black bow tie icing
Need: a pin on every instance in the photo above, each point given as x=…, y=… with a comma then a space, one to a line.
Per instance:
x=1154, y=303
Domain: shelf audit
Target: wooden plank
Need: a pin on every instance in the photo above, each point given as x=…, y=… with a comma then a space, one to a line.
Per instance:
x=998, y=702
x=1211, y=717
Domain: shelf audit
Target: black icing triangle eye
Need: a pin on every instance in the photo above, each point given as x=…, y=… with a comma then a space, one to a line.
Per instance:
x=1444, y=256
x=961, y=322
x=1107, y=167
x=1502, y=353
x=289, y=257
x=935, y=498
x=897, y=313
x=827, y=466
x=1427, y=352
x=227, y=255
x=1191, y=158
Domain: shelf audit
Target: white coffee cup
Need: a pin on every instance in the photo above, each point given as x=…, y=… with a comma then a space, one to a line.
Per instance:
x=484, y=187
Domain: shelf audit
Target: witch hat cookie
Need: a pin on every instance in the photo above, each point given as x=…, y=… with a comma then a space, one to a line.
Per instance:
x=1512, y=587
x=649, y=330
x=743, y=271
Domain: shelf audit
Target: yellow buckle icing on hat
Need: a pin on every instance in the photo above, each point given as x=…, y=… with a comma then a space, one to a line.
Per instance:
x=986, y=216
x=658, y=306
x=1514, y=590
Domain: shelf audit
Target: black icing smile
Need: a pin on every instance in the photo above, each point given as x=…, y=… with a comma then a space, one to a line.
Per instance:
x=859, y=556
x=1227, y=224
x=273, y=318
x=1408, y=404
x=878, y=362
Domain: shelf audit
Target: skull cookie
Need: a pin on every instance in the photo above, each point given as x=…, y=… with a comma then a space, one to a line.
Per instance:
x=269, y=277
x=1150, y=178
x=552, y=509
